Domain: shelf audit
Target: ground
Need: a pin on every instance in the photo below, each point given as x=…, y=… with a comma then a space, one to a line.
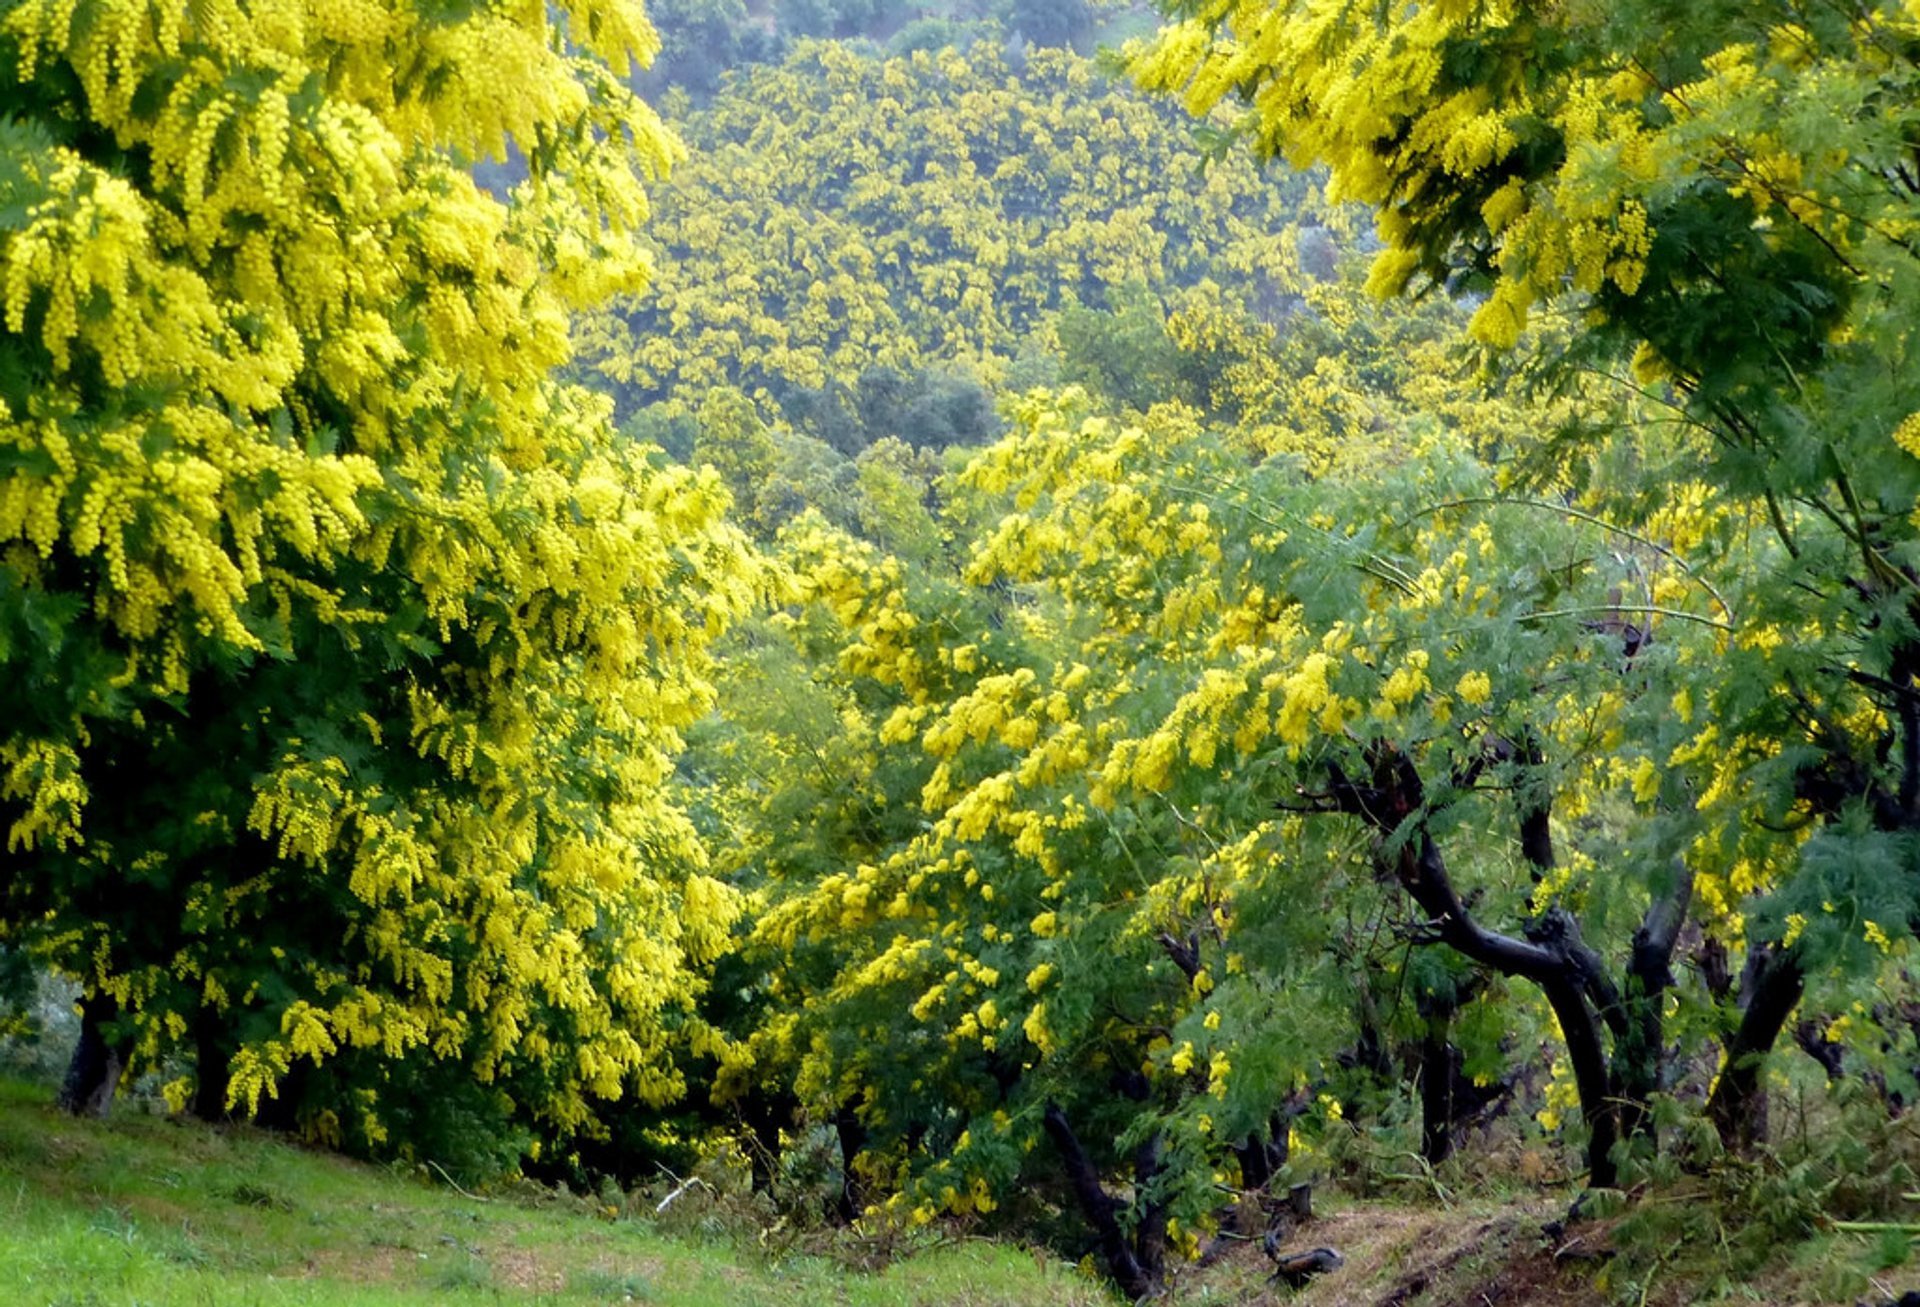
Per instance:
x=1465, y=1255
x=165, y=1213
x=160, y=1212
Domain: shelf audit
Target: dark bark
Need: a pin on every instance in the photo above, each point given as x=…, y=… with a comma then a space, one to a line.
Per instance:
x=1102, y=1212
x=1738, y=1107
x=1716, y=973
x=852, y=1134
x=1448, y=1096
x=1437, y=1073
x=1639, y=1046
x=1265, y=1152
x=1150, y=1232
x=1184, y=954
x=1582, y=1033
x=1813, y=1041
x=1843, y=775
x=1439, y=1066
x=211, y=1062
x=1295, y=1269
x=280, y=1110
x=1256, y=1162
x=1552, y=954
x=1300, y=1202
x=94, y=1070
x=1905, y=670
x=1369, y=1052
x=1536, y=814
x=1280, y=1128
x=762, y=1114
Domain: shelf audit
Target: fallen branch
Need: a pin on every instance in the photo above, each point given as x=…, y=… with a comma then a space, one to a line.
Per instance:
x=455, y=1183
x=1878, y=1227
x=683, y=1186
x=1297, y=1268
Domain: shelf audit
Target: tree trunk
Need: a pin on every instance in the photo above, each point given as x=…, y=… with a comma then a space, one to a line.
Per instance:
x=1262, y=1156
x=1813, y=1041
x=1738, y=1107
x=1150, y=1232
x=211, y=1059
x=1436, y=1091
x=761, y=1114
x=1098, y=1206
x=1582, y=1032
x=1639, y=1047
x=280, y=1110
x=1256, y=1163
x=1551, y=955
x=853, y=1139
x=94, y=1070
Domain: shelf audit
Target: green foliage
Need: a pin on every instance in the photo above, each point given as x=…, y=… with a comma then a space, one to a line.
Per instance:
x=1095, y=906
x=703, y=40
x=700, y=40
x=347, y=651
x=930, y=408
x=1728, y=196
x=1051, y=22
x=1723, y=201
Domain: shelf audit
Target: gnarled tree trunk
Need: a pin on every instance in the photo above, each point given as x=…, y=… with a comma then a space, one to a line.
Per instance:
x=1100, y=1208
x=852, y=1134
x=1771, y=990
x=1551, y=953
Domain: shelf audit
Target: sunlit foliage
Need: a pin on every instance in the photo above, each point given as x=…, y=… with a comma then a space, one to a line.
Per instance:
x=1729, y=196
x=345, y=652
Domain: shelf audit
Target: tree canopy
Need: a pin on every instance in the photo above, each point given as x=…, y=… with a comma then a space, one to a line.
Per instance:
x=347, y=650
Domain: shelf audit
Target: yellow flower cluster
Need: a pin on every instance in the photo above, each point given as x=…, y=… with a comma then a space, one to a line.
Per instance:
x=299, y=382
x=1368, y=93
x=45, y=777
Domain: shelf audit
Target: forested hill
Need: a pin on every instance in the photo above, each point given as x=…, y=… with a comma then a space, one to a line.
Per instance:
x=843, y=212
x=702, y=40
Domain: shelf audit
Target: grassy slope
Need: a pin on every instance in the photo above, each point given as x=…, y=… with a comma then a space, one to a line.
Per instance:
x=150, y=1211
x=142, y=1210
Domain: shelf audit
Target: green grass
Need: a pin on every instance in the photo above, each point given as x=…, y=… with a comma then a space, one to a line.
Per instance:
x=157, y=1212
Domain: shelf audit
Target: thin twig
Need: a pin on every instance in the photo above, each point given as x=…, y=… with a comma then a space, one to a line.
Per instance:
x=1614, y=610
x=1580, y=515
x=455, y=1183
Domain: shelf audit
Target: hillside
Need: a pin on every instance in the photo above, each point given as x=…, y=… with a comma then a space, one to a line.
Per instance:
x=160, y=1212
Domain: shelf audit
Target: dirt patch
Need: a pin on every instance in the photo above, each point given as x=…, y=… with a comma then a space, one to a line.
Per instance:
x=374, y=1264
x=521, y=1268
x=1427, y=1278
x=1399, y=1256
x=1533, y=1279
x=531, y=1267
